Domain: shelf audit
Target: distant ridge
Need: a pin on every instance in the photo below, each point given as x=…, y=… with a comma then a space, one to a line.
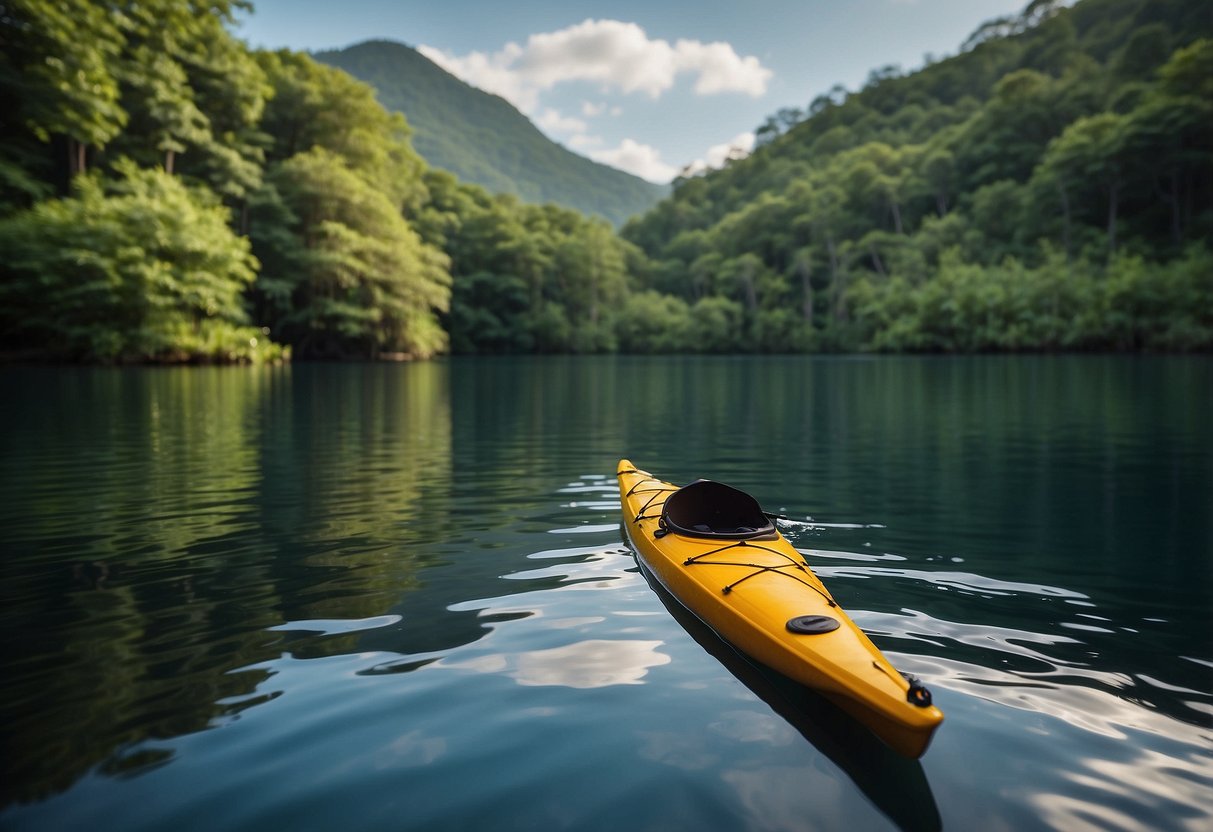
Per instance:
x=484, y=139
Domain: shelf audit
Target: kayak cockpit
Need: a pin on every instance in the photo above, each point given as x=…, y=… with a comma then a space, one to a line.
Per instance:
x=713, y=510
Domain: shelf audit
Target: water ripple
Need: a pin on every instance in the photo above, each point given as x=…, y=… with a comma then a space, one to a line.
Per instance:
x=979, y=584
x=1059, y=671
x=329, y=627
x=320, y=596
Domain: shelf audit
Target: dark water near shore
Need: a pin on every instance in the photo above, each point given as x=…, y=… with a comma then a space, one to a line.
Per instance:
x=396, y=597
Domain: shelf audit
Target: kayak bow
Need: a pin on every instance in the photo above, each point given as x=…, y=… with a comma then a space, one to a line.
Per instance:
x=720, y=557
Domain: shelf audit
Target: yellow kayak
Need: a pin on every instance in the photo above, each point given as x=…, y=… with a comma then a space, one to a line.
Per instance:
x=713, y=549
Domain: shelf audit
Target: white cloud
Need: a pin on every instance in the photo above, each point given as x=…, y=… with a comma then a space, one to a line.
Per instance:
x=721, y=69
x=638, y=159
x=609, y=51
x=616, y=54
x=620, y=57
x=491, y=73
x=554, y=122
x=739, y=146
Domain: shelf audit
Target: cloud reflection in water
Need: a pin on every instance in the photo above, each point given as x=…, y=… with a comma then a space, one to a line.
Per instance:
x=594, y=663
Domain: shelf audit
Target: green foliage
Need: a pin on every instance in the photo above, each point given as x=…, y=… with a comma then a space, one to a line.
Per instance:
x=1146, y=306
x=716, y=325
x=314, y=105
x=345, y=274
x=651, y=322
x=1050, y=187
x=489, y=313
x=149, y=81
x=137, y=268
x=989, y=201
x=162, y=85
x=526, y=277
x=59, y=59
x=1132, y=305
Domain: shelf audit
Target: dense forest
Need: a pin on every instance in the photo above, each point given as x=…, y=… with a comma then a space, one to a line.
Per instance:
x=168, y=194
x=1050, y=187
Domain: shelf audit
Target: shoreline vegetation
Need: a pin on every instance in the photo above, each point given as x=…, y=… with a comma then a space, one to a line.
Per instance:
x=168, y=195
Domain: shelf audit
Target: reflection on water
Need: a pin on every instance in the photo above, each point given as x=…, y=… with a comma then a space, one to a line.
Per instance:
x=330, y=627
x=387, y=596
x=594, y=663
x=894, y=784
x=158, y=522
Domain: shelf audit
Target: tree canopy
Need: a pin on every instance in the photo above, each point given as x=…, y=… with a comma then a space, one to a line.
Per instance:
x=1060, y=149
x=168, y=194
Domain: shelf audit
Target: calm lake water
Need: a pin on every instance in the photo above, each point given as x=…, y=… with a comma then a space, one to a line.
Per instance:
x=396, y=596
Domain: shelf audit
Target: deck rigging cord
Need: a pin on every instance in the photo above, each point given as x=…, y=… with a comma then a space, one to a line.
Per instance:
x=758, y=568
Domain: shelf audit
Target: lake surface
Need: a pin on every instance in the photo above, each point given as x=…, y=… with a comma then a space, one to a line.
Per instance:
x=397, y=596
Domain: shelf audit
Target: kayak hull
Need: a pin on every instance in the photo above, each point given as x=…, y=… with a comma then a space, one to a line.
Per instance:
x=761, y=596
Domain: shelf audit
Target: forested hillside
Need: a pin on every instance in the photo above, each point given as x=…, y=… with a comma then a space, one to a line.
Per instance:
x=1049, y=187
x=168, y=194
x=483, y=139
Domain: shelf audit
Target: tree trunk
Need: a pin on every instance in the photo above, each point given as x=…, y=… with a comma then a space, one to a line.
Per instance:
x=876, y=261
x=77, y=158
x=838, y=280
x=806, y=287
x=833, y=252
x=941, y=204
x=1113, y=198
x=896, y=217
x=747, y=282
x=840, y=308
x=169, y=155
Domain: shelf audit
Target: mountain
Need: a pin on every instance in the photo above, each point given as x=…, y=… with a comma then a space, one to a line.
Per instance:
x=482, y=138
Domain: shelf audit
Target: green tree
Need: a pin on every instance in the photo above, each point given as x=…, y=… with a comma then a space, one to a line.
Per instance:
x=717, y=325
x=58, y=64
x=1091, y=153
x=355, y=279
x=489, y=313
x=937, y=172
x=314, y=105
x=1168, y=138
x=650, y=322
x=138, y=267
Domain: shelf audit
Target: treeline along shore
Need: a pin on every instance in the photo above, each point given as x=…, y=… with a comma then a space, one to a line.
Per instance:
x=169, y=195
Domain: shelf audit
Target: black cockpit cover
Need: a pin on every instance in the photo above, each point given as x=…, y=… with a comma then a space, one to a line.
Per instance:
x=712, y=509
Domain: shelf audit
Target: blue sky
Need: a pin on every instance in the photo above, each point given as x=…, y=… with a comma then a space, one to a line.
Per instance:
x=648, y=87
